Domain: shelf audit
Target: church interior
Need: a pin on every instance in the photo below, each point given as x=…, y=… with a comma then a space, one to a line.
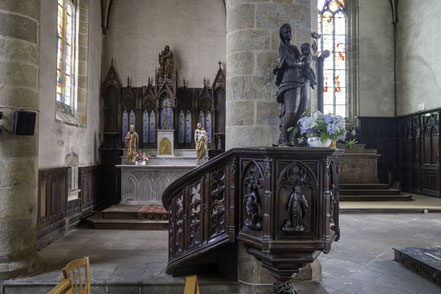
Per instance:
x=167, y=146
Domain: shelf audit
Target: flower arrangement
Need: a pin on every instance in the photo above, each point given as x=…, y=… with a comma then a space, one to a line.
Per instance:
x=323, y=126
x=141, y=156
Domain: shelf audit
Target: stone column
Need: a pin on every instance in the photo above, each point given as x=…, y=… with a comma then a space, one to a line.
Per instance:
x=252, y=113
x=19, y=84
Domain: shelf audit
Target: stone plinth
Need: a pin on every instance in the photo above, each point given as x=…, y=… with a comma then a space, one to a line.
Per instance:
x=165, y=142
x=358, y=165
x=424, y=261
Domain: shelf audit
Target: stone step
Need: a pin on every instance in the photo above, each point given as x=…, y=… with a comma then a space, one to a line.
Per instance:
x=424, y=261
x=369, y=192
x=373, y=197
x=364, y=186
x=122, y=211
x=97, y=221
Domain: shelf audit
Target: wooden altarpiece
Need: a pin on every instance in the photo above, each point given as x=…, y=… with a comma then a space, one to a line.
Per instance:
x=158, y=105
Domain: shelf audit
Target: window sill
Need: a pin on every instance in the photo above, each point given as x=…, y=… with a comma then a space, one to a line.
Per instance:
x=64, y=115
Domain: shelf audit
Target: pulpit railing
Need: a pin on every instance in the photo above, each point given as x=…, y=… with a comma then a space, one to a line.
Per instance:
x=280, y=202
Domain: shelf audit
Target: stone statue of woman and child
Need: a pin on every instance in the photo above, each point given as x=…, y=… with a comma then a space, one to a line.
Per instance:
x=294, y=77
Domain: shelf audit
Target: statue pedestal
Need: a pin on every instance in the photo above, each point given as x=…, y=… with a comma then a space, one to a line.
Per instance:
x=165, y=142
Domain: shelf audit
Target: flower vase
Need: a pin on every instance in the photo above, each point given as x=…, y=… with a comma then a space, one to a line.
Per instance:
x=333, y=143
x=316, y=142
x=140, y=163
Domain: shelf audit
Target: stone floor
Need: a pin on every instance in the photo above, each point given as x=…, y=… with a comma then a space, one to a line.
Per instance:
x=362, y=262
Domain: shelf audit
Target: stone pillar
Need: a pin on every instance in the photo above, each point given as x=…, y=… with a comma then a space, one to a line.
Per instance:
x=19, y=89
x=252, y=113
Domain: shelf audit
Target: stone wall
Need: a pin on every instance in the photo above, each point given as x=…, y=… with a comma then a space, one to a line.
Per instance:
x=252, y=43
x=419, y=74
x=139, y=30
x=58, y=139
x=376, y=58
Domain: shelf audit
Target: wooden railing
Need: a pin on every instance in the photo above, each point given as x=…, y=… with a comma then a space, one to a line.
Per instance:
x=281, y=202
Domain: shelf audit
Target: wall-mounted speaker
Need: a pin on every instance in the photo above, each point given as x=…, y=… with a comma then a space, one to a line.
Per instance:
x=24, y=123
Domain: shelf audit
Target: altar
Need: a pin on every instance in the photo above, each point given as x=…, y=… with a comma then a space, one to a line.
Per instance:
x=165, y=116
x=144, y=184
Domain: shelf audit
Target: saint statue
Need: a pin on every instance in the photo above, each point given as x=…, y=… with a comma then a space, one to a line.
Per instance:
x=251, y=201
x=201, y=140
x=297, y=208
x=293, y=78
x=131, y=143
x=166, y=63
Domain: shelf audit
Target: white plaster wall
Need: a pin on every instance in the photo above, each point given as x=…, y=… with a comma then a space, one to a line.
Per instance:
x=57, y=140
x=139, y=30
x=419, y=58
x=376, y=55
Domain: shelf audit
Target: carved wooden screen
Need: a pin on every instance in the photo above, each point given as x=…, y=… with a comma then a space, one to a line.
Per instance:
x=199, y=215
x=206, y=114
x=219, y=109
x=148, y=118
x=112, y=108
x=185, y=108
x=128, y=103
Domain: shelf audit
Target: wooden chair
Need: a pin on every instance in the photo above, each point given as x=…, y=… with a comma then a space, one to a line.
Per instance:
x=63, y=287
x=80, y=278
x=191, y=285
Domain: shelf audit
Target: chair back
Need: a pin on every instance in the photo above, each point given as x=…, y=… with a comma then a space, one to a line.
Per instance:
x=191, y=285
x=63, y=287
x=78, y=271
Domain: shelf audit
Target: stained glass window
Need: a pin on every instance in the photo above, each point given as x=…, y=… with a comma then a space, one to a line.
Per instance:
x=65, y=52
x=332, y=27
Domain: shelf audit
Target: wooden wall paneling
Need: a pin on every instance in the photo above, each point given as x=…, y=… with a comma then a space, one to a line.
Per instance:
x=409, y=147
x=52, y=203
x=88, y=185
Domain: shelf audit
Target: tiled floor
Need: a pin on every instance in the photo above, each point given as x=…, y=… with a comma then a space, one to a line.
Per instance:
x=361, y=262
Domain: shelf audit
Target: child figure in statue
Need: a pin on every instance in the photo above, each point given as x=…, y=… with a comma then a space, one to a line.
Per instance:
x=201, y=140
x=307, y=71
x=131, y=143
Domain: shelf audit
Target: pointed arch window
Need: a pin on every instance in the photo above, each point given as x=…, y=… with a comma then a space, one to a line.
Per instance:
x=332, y=24
x=66, y=33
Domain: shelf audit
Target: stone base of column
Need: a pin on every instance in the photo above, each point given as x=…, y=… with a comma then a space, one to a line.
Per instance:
x=26, y=265
x=254, y=278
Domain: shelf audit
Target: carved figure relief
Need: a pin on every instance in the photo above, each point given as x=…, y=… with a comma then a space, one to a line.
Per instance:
x=253, y=182
x=252, y=204
x=297, y=209
x=297, y=180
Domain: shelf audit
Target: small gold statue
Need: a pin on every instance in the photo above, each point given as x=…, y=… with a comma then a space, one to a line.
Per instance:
x=201, y=140
x=132, y=140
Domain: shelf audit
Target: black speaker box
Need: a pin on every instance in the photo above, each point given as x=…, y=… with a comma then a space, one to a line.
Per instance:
x=24, y=123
